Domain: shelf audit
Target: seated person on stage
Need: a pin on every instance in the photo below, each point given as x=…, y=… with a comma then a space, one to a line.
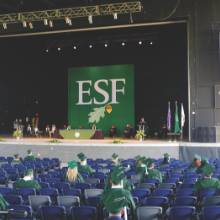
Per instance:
x=166, y=159
x=141, y=167
x=153, y=173
x=128, y=131
x=47, y=131
x=116, y=198
x=30, y=155
x=115, y=160
x=113, y=131
x=198, y=164
x=207, y=182
x=124, y=182
x=72, y=173
x=83, y=167
x=27, y=181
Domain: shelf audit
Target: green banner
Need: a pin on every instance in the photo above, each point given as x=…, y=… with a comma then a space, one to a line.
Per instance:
x=101, y=95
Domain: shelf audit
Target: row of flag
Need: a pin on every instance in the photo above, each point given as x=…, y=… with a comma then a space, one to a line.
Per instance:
x=178, y=125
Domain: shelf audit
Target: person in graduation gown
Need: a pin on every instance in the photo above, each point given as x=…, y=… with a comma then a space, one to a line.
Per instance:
x=30, y=155
x=17, y=159
x=72, y=174
x=166, y=160
x=115, y=159
x=153, y=173
x=198, y=164
x=3, y=203
x=116, y=198
x=83, y=167
x=141, y=167
x=27, y=181
x=207, y=182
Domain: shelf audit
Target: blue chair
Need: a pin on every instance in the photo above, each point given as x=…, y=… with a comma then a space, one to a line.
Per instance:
x=141, y=193
x=84, y=213
x=6, y=191
x=156, y=201
x=211, y=213
x=149, y=213
x=203, y=193
x=36, y=201
x=185, y=201
x=154, y=181
x=52, y=192
x=25, y=192
x=181, y=213
x=185, y=192
x=53, y=213
x=114, y=218
x=14, y=199
x=44, y=184
x=25, y=208
x=163, y=192
x=61, y=186
x=82, y=186
x=72, y=192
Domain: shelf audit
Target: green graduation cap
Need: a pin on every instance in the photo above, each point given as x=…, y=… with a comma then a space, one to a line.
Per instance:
x=117, y=175
x=149, y=162
x=197, y=157
x=114, y=156
x=72, y=164
x=16, y=155
x=81, y=156
x=29, y=172
x=207, y=170
x=137, y=157
x=166, y=155
x=115, y=201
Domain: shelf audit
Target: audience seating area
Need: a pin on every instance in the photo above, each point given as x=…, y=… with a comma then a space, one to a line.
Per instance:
x=173, y=199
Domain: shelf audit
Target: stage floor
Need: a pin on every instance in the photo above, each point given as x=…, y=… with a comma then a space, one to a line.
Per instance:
x=67, y=150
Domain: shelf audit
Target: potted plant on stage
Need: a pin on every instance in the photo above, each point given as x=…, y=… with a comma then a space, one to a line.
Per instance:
x=18, y=134
x=140, y=135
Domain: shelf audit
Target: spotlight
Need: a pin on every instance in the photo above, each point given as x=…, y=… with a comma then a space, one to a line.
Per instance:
x=140, y=42
x=106, y=45
x=24, y=24
x=151, y=43
x=115, y=16
x=74, y=47
x=123, y=44
x=31, y=25
x=90, y=46
x=59, y=49
x=4, y=26
x=90, y=19
x=45, y=22
x=50, y=23
x=47, y=50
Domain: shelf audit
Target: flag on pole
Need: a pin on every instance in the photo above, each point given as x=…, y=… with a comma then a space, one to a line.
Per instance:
x=168, y=118
x=182, y=117
x=176, y=125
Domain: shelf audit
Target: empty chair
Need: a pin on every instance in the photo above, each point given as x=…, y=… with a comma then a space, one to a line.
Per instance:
x=92, y=196
x=61, y=186
x=206, y=193
x=211, y=213
x=185, y=201
x=84, y=213
x=141, y=193
x=39, y=200
x=92, y=180
x=163, y=192
x=185, y=192
x=14, y=199
x=52, y=192
x=167, y=186
x=181, y=213
x=154, y=181
x=82, y=186
x=24, y=208
x=72, y=192
x=53, y=213
x=156, y=201
x=44, y=184
x=68, y=202
x=211, y=201
x=150, y=186
x=6, y=191
x=149, y=213
x=114, y=218
x=25, y=192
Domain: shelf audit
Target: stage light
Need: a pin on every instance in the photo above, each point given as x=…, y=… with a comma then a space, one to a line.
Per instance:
x=106, y=45
x=50, y=23
x=59, y=49
x=123, y=44
x=24, y=24
x=74, y=47
x=151, y=43
x=115, y=16
x=45, y=22
x=90, y=19
x=47, y=50
x=4, y=26
x=68, y=21
x=90, y=46
x=31, y=26
x=140, y=42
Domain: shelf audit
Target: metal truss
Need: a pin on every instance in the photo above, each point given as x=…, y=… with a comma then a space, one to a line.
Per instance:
x=75, y=12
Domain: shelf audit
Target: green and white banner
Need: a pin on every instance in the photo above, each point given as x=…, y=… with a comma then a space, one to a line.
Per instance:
x=101, y=95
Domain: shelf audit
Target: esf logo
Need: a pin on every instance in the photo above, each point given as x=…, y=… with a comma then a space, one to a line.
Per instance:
x=117, y=86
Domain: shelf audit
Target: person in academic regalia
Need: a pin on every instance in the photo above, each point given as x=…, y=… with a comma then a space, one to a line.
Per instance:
x=207, y=182
x=30, y=155
x=153, y=173
x=115, y=160
x=116, y=199
x=128, y=131
x=27, y=181
x=47, y=131
x=113, y=131
x=83, y=167
x=72, y=173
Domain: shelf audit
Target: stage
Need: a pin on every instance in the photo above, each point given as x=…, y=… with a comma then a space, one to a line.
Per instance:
x=68, y=149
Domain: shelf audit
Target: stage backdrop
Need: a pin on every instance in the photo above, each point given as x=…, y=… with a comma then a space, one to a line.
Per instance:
x=101, y=95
